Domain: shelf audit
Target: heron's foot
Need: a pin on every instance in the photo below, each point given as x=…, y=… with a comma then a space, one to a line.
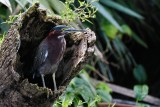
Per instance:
x=60, y=90
x=49, y=93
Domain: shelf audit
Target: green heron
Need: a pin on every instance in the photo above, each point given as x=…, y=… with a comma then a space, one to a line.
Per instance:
x=50, y=52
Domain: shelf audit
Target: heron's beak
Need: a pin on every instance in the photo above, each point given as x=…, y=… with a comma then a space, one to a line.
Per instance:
x=67, y=29
x=70, y=30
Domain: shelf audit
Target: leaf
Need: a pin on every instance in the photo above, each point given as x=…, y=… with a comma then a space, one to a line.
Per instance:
x=117, y=48
x=103, y=86
x=127, y=29
x=140, y=74
x=57, y=5
x=104, y=36
x=90, y=67
x=93, y=103
x=143, y=105
x=67, y=99
x=87, y=94
x=86, y=78
x=83, y=89
x=141, y=91
x=105, y=96
x=77, y=101
x=139, y=40
x=121, y=8
x=110, y=30
x=7, y=3
x=107, y=15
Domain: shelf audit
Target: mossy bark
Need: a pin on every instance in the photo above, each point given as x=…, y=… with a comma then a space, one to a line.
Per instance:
x=17, y=87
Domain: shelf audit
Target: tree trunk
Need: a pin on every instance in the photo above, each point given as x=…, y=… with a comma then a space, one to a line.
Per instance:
x=17, y=87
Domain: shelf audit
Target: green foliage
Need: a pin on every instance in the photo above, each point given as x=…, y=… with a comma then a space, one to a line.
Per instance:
x=83, y=92
x=104, y=91
x=110, y=30
x=78, y=93
x=121, y=8
x=142, y=105
x=127, y=30
x=11, y=19
x=141, y=91
x=140, y=73
x=106, y=14
x=2, y=37
x=90, y=67
x=103, y=86
x=83, y=12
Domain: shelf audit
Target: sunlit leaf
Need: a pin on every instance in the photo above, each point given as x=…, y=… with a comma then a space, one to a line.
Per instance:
x=110, y=30
x=67, y=99
x=127, y=30
x=103, y=86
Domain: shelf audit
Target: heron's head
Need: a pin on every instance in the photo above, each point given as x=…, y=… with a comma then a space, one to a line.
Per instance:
x=60, y=27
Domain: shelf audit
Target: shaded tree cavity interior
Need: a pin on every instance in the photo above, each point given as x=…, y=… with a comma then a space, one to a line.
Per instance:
x=32, y=32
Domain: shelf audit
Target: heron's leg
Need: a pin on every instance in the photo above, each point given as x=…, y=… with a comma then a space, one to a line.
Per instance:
x=54, y=81
x=42, y=76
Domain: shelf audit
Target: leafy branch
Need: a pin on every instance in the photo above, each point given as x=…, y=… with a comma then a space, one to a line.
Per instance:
x=83, y=12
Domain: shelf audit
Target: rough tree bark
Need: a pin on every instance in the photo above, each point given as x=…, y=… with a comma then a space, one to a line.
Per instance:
x=17, y=88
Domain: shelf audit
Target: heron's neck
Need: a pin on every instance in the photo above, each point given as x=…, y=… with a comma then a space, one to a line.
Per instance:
x=55, y=38
x=54, y=34
x=60, y=36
